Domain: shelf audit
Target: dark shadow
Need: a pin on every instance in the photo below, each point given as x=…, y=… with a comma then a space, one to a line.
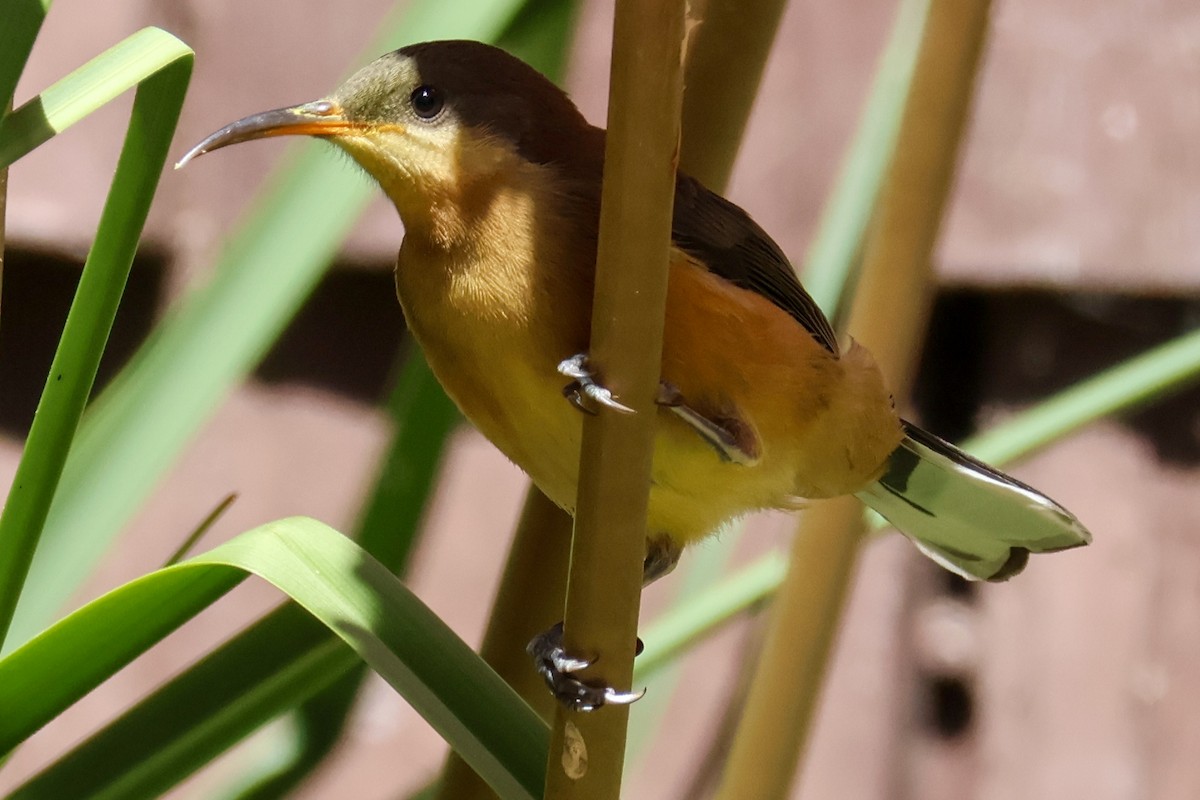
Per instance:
x=38, y=290
x=947, y=390
x=1012, y=349
x=345, y=339
x=949, y=706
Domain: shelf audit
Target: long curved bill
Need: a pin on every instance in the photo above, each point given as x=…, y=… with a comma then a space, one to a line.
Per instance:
x=319, y=118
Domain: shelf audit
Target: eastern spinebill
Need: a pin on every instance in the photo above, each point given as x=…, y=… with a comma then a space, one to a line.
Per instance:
x=496, y=177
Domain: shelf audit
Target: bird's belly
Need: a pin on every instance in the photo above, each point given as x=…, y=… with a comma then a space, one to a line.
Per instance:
x=519, y=406
x=516, y=404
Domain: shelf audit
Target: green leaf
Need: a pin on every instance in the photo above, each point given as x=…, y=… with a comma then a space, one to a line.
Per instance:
x=335, y=581
x=285, y=658
x=1143, y=378
x=22, y=21
x=92, y=86
x=193, y=718
x=685, y=625
x=152, y=123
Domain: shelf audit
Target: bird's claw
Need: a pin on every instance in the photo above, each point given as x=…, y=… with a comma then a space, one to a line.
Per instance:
x=584, y=385
x=556, y=666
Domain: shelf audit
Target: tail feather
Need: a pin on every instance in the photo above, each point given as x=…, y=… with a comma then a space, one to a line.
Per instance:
x=968, y=517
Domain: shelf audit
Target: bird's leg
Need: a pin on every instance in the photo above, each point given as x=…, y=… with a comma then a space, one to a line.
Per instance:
x=585, y=385
x=557, y=666
x=732, y=438
x=662, y=554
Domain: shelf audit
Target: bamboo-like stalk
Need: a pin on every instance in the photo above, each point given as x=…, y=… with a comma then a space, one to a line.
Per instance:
x=889, y=316
x=5, y=108
x=774, y=724
x=604, y=585
x=726, y=58
x=3, y=210
x=725, y=61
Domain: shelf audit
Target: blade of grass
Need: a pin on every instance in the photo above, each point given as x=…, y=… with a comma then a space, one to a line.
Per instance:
x=22, y=21
x=604, y=585
x=169, y=735
x=3, y=217
x=287, y=657
x=92, y=86
x=156, y=107
x=334, y=580
x=1166, y=368
x=137, y=427
x=686, y=624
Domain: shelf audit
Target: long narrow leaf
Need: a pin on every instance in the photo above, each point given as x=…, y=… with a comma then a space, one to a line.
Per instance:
x=22, y=21
x=188, y=722
x=156, y=109
x=286, y=670
x=334, y=580
x=92, y=86
x=283, y=659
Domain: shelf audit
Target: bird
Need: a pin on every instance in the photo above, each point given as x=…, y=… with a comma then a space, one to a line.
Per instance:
x=496, y=177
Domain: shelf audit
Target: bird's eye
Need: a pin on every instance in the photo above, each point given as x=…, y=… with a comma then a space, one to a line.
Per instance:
x=427, y=101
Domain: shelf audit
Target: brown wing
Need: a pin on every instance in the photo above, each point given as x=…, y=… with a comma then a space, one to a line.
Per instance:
x=722, y=236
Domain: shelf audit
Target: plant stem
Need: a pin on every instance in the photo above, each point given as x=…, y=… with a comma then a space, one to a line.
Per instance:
x=726, y=58
x=604, y=586
x=835, y=254
x=775, y=723
x=3, y=210
x=889, y=317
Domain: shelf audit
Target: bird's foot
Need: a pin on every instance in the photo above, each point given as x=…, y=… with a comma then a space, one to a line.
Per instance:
x=557, y=668
x=584, y=385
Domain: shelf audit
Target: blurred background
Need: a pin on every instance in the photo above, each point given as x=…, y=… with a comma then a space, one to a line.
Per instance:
x=1072, y=242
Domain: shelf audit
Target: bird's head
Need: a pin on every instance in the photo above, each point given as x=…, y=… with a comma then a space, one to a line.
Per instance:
x=433, y=123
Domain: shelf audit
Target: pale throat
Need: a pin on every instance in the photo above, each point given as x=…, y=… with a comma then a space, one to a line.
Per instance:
x=474, y=246
x=471, y=221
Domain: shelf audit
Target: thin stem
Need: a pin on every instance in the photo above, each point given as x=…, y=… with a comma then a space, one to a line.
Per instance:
x=3, y=210
x=604, y=586
x=726, y=58
x=889, y=317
